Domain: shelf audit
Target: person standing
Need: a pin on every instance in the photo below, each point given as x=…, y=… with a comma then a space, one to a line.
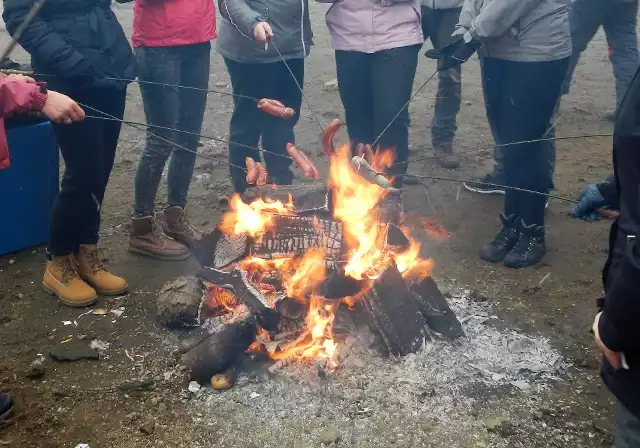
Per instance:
x=439, y=20
x=526, y=46
x=19, y=94
x=618, y=18
x=172, y=41
x=83, y=48
x=264, y=44
x=615, y=327
x=377, y=44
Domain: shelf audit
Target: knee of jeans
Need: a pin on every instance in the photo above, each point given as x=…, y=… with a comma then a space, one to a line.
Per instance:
x=157, y=150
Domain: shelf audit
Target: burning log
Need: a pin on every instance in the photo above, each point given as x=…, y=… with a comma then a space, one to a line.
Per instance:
x=305, y=197
x=436, y=310
x=218, y=352
x=396, y=313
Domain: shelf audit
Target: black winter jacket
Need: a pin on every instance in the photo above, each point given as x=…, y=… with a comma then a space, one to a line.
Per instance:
x=80, y=42
x=620, y=322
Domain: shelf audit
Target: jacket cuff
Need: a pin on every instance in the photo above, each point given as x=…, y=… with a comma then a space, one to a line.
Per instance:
x=609, y=336
x=38, y=100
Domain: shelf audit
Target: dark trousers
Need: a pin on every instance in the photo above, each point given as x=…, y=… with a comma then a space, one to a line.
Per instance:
x=170, y=107
x=439, y=25
x=373, y=88
x=498, y=151
x=618, y=18
x=520, y=99
x=627, y=429
x=88, y=148
x=249, y=124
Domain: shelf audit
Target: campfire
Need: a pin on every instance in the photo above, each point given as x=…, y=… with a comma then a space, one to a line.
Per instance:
x=290, y=273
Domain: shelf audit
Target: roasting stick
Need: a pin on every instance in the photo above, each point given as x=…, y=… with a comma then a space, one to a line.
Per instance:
x=143, y=126
x=33, y=12
x=311, y=109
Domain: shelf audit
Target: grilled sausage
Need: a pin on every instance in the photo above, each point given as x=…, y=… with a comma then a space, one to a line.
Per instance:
x=262, y=175
x=300, y=159
x=252, y=171
x=327, y=138
x=276, y=108
x=315, y=174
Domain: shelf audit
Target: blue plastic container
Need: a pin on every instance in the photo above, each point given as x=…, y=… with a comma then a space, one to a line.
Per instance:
x=29, y=187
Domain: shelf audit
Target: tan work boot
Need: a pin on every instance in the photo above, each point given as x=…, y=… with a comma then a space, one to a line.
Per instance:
x=446, y=158
x=62, y=280
x=176, y=225
x=146, y=238
x=91, y=270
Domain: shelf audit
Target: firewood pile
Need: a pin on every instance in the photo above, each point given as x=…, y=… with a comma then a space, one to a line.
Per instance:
x=291, y=273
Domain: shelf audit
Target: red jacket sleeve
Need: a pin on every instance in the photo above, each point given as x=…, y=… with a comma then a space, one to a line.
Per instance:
x=17, y=96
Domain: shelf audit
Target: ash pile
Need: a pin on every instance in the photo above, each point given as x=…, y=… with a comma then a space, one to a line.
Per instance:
x=294, y=274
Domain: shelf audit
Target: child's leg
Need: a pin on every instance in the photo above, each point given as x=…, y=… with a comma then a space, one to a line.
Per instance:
x=393, y=72
x=277, y=132
x=356, y=91
x=246, y=121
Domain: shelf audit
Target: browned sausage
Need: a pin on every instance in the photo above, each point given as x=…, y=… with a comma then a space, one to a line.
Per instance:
x=368, y=154
x=252, y=170
x=360, y=150
x=327, y=138
x=275, y=108
x=315, y=174
x=262, y=176
x=300, y=160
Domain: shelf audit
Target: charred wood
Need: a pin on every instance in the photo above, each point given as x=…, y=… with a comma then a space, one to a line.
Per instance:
x=179, y=302
x=436, y=310
x=396, y=313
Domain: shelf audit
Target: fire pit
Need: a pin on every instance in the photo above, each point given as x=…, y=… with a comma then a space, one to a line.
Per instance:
x=292, y=272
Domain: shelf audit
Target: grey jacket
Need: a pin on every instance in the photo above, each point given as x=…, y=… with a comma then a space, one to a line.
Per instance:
x=519, y=30
x=442, y=4
x=289, y=20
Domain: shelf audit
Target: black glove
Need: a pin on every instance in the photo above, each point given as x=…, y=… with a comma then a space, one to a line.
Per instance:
x=454, y=54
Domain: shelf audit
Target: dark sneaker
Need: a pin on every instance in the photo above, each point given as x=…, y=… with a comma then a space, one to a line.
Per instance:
x=489, y=184
x=610, y=115
x=504, y=241
x=446, y=158
x=529, y=249
x=6, y=406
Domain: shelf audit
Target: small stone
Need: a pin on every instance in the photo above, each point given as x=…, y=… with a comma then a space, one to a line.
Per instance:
x=478, y=296
x=194, y=387
x=330, y=436
x=36, y=371
x=73, y=350
x=143, y=384
x=546, y=411
x=155, y=401
x=331, y=85
x=500, y=425
x=148, y=427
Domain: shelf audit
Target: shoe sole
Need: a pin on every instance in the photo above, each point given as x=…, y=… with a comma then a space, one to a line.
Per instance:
x=155, y=256
x=102, y=292
x=481, y=191
x=7, y=414
x=53, y=292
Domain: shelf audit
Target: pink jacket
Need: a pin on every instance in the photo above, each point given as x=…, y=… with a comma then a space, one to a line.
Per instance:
x=370, y=26
x=16, y=97
x=168, y=23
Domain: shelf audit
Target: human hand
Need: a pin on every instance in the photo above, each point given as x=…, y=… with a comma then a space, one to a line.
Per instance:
x=60, y=108
x=454, y=54
x=614, y=358
x=589, y=200
x=27, y=79
x=262, y=32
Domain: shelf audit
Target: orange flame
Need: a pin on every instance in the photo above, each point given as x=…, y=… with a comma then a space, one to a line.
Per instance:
x=309, y=272
x=254, y=218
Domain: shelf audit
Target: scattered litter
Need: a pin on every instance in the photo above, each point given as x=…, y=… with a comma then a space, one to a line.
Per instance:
x=126, y=353
x=118, y=312
x=66, y=340
x=100, y=312
x=544, y=278
x=66, y=323
x=254, y=395
x=12, y=261
x=99, y=345
x=194, y=387
x=82, y=445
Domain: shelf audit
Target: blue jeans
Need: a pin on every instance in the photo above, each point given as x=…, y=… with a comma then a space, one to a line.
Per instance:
x=170, y=107
x=618, y=18
x=627, y=430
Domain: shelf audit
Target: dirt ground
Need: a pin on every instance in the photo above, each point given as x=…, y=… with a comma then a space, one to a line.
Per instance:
x=78, y=402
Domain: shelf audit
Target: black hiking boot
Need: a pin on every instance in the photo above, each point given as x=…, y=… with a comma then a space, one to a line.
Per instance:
x=6, y=406
x=489, y=184
x=504, y=241
x=529, y=249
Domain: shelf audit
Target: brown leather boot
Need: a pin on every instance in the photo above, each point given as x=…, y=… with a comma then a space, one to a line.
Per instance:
x=62, y=280
x=176, y=225
x=91, y=270
x=146, y=238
